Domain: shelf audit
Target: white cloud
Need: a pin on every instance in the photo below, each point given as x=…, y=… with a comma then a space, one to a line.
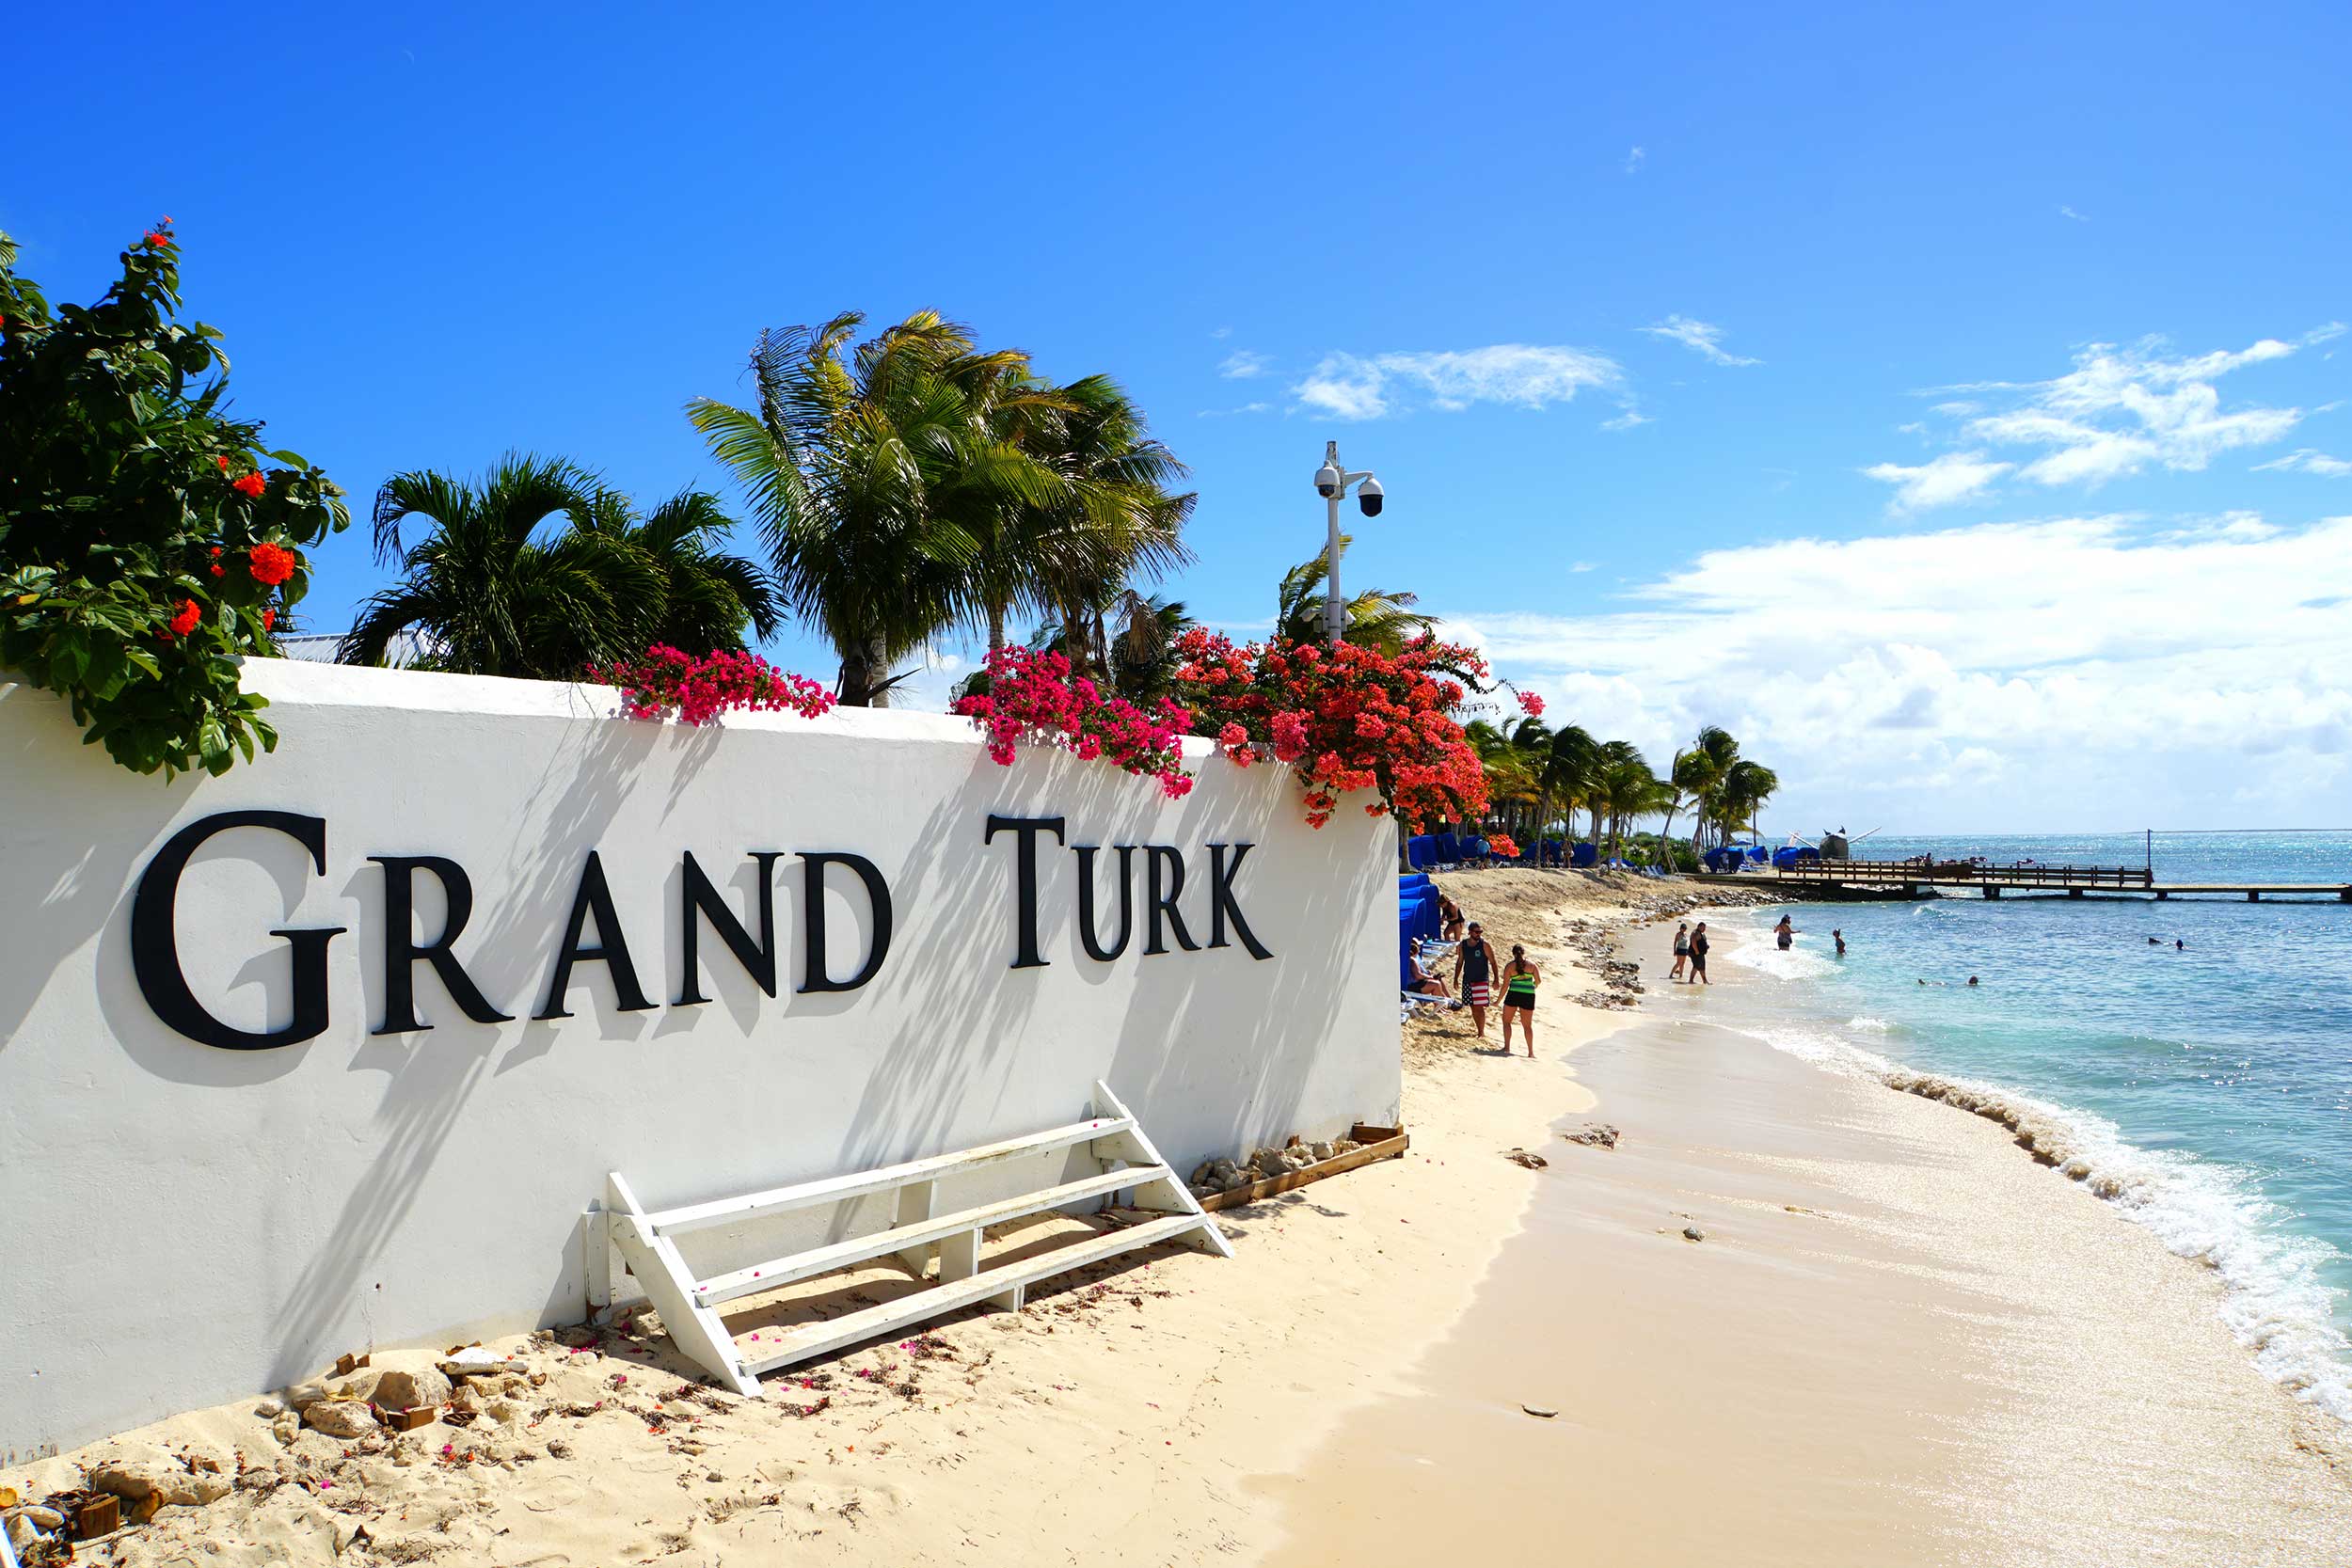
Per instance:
x=1630, y=418
x=2306, y=461
x=1956, y=476
x=1224, y=413
x=2119, y=411
x=1348, y=386
x=2109, y=675
x=1633, y=160
x=1220, y=332
x=1700, y=338
x=1579, y=566
x=2066, y=212
x=1243, y=363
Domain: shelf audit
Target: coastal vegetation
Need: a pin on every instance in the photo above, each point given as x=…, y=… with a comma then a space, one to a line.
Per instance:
x=915, y=485
x=148, y=540
x=540, y=571
x=905, y=487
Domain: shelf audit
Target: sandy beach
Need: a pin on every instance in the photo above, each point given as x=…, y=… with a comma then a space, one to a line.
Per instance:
x=1897, y=1339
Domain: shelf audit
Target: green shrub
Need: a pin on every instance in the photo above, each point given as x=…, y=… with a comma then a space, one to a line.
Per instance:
x=147, y=542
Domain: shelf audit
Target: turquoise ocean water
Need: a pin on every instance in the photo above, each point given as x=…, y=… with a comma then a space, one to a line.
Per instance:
x=2207, y=1089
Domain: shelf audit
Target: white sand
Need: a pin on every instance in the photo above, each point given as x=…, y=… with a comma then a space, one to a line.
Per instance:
x=1187, y=1409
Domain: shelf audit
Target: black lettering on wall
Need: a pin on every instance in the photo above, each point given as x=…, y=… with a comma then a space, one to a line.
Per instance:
x=401, y=951
x=758, y=958
x=1222, y=906
x=612, y=950
x=1162, y=895
x=156, y=947
x=1024, y=955
x=1095, y=950
x=812, y=921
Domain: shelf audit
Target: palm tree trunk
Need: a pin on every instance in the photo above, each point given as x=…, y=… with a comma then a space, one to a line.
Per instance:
x=995, y=629
x=865, y=665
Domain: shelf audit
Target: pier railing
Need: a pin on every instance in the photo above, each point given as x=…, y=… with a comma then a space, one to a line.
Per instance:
x=1921, y=870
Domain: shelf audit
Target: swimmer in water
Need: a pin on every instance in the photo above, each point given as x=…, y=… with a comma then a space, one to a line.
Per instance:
x=1839, y=938
x=1972, y=979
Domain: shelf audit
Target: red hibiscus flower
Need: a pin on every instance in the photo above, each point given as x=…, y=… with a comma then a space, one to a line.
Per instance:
x=269, y=620
x=272, y=564
x=186, y=620
x=250, y=485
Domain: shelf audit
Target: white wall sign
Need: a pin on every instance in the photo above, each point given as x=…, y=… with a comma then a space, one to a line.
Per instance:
x=331, y=1052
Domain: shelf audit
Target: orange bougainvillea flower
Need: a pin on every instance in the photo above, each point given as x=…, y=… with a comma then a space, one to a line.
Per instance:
x=250, y=485
x=269, y=620
x=221, y=458
x=272, y=564
x=186, y=620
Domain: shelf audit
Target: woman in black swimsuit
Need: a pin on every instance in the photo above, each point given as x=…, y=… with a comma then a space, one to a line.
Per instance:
x=1698, y=955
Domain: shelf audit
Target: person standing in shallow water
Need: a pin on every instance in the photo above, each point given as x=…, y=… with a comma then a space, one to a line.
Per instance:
x=1698, y=955
x=1519, y=979
x=1682, y=951
x=1784, y=933
x=1473, y=975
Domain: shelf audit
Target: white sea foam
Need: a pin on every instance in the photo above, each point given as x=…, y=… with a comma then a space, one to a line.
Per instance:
x=1869, y=1025
x=2276, y=1300
x=1758, y=950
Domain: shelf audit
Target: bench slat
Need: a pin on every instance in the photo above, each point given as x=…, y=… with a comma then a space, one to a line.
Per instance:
x=857, y=1249
x=819, y=1337
x=837, y=1189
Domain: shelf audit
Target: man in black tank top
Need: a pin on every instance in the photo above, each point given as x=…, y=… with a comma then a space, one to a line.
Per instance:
x=1473, y=975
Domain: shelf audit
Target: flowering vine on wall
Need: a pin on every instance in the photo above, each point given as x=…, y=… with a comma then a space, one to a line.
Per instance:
x=667, y=682
x=1349, y=719
x=1034, y=698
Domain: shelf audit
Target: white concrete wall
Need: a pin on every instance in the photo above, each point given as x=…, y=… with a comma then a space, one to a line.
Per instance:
x=182, y=1225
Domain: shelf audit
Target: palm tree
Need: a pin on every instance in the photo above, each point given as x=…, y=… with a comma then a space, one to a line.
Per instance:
x=1116, y=523
x=488, y=590
x=1700, y=773
x=539, y=571
x=1140, y=666
x=1745, y=788
x=875, y=474
x=1372, y=619
x=706, y=595
x=1629, y=789
x=1570, y=773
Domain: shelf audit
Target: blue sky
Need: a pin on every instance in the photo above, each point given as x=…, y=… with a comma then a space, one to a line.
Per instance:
x=1738, y=366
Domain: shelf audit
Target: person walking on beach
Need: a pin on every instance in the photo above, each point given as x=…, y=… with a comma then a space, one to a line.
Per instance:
x=1473, y=975
x=1682, y=950
x=1698, y=955
x=1519, y=979
x=1784, y=933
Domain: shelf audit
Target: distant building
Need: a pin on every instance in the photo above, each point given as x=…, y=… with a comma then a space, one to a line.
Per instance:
x=406, y=651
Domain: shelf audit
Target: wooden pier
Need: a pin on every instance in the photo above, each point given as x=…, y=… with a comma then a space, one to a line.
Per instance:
x=1911, y=878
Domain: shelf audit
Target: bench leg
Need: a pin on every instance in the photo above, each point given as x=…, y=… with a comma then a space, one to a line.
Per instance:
x=915, y=1206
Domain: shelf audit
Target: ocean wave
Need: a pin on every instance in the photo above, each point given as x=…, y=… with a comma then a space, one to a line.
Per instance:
x=1869, y=1025
x=2276, y=1299
x=1759, y=951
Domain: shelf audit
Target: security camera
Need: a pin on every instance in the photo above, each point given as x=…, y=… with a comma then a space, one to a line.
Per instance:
x=1327, y=482
x=1368, y=496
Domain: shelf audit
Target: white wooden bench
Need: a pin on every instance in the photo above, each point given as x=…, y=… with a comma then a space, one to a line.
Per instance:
x=622, y=1230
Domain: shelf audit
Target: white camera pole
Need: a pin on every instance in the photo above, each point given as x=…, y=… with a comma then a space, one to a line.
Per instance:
x=1331, y=483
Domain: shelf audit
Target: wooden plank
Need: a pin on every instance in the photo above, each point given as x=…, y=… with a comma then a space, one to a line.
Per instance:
x=857, y=1249
x=838, y=1189
x=1385, y=1150
x=817, y=1338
